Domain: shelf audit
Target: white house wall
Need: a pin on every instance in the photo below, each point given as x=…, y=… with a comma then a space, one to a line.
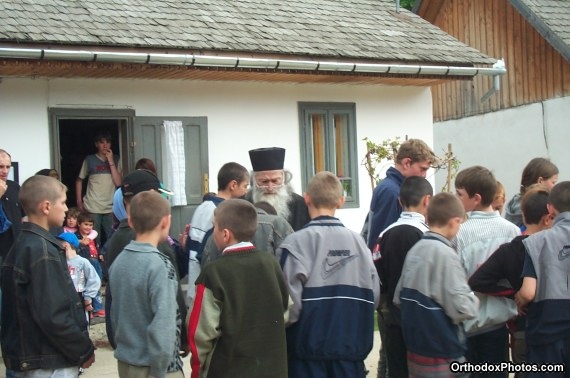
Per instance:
x=505, y=141
x=241, y=116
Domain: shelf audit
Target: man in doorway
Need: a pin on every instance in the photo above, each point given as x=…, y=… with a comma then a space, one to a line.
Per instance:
x=271, y=183
x=104, y=174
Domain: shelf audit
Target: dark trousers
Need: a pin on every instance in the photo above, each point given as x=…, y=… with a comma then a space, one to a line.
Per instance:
x=489, y=347
x=382, y=313
x=396, y=353
x=325, y=369
x=557, y=352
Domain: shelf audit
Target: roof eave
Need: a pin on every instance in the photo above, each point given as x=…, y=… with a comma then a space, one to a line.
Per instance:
x=251, y=64
x=542, y=28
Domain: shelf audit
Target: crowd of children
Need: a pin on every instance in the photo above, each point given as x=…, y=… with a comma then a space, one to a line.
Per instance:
x=459, y=282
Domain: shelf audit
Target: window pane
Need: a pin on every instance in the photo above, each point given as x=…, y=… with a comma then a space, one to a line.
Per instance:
x=328, y=141
x=342, y=156
x=318, y=128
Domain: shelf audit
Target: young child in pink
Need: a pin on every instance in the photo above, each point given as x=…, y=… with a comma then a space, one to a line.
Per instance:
x=70, y=224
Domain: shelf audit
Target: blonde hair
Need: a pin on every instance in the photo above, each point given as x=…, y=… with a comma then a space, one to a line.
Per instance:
x=325, y=190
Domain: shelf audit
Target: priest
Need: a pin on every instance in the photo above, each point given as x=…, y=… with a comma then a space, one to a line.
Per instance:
x=272, y=184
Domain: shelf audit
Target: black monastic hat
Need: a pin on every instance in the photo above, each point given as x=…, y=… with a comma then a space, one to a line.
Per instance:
x=267, y=159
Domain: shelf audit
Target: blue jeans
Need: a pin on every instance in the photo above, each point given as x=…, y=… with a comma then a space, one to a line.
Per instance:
x=98, y=300
x=103, y=223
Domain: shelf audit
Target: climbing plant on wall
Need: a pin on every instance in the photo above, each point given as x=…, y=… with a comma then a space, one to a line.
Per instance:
x=380, y=155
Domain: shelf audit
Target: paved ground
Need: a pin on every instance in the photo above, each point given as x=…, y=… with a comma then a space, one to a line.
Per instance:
x=105, y=365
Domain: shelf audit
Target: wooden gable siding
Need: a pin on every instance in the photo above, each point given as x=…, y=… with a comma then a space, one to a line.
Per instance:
x=64, y=69
x=535, y=71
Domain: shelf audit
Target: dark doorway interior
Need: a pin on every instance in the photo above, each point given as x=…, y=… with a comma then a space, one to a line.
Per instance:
x=76, y=140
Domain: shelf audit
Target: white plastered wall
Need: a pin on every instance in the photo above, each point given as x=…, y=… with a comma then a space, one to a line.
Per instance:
x=241, y=116
x=505, y=141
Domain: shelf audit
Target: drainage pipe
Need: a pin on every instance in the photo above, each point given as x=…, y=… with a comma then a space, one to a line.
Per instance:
x=193, y=60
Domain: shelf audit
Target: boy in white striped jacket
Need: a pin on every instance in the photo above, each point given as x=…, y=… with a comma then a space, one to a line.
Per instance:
x=479, y=236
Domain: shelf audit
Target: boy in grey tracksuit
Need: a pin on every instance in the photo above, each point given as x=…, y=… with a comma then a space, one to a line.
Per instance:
x=545, y=287
x=433, y=294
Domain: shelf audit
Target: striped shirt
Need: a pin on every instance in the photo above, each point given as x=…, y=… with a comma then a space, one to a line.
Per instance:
x=480, y=236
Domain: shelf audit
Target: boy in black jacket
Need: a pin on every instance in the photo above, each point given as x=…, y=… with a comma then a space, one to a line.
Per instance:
x=395, y=242
x=44, y=329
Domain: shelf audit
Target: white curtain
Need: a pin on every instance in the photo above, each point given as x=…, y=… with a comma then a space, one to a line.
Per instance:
x=174, y=161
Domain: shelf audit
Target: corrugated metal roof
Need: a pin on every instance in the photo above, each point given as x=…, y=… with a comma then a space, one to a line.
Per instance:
x=338, y=29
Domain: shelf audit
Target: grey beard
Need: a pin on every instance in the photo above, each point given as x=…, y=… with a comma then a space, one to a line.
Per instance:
x=278, y=200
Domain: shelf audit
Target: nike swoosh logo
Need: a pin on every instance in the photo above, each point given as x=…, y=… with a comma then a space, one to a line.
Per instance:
x=330, y=268
x=564, y=253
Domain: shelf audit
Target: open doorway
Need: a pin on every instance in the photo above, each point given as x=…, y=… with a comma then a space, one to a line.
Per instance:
x=73, y=131
x=76, y=141
x=72, y=136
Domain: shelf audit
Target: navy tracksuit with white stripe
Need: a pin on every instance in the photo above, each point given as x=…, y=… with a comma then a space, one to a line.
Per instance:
x=335, y=288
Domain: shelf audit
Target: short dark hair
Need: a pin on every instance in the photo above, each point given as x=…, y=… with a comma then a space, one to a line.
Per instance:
x=560, y=196
x=146, y=163
x=147, y=210
x=85, y=216
x=534, y=203
x=239, y=216
x=207, y=195
x=103, y=135
x=477, y=180
x=442, y=208
x=37, y=189
x=230, y=172
x=72, y=212
x=413, y=189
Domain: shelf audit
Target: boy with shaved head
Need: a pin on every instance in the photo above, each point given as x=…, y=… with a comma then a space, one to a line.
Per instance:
x=44, y=329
